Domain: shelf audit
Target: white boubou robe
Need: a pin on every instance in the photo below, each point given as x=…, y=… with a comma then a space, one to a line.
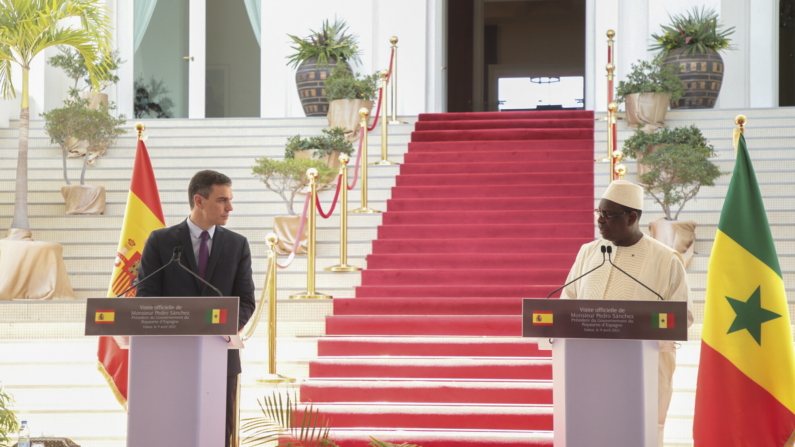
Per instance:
x=652, y=263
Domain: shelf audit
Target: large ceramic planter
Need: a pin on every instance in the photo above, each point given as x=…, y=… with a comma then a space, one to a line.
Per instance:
x=647, y=110
x=286, y=228
x=84, y=199
x=311, y=82
x=679, y=235
x=702, y=75
x=345, y=113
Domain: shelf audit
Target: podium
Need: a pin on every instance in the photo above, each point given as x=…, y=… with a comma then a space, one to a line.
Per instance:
x=604, y=366
x=177, y=364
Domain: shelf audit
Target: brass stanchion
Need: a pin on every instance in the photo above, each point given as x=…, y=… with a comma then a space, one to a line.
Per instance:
x=611, y=119
x=393, y=80
x=140, y=128
x=343, y=265
x=363, y=112
x=384, y=133
x=311, y=251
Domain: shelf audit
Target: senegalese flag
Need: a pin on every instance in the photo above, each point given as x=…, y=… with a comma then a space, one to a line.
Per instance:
x=215, y=316
x=663, y=321
x=542, y=318
x=746, y=378
x=142, y=216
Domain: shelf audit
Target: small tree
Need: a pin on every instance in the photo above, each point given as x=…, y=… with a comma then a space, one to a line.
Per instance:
x=63, y=126
x=74, y=65
x=287, y=177
x=678, y=163
x=100, y=132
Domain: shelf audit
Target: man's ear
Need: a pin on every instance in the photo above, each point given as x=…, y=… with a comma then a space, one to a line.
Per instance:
x=197, y=200
x=632, y=218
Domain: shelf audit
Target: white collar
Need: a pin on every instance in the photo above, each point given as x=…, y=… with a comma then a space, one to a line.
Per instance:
x=196, y=232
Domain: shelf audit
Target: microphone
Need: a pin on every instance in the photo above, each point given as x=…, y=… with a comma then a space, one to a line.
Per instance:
x=174, y=257
x=609, y=251
x=604, y=250
x=191, y=271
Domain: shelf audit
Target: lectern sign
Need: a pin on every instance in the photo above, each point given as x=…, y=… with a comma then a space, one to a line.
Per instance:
x=162, y=316
x=629, y=320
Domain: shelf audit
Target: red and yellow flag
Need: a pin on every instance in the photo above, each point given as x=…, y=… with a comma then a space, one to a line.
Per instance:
x=746, y=378
x=142, y=216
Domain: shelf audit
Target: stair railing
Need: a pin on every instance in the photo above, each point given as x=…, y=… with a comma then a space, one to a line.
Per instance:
x=614, y=156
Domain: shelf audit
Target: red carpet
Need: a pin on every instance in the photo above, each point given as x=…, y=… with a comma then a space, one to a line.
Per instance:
x=489, y=208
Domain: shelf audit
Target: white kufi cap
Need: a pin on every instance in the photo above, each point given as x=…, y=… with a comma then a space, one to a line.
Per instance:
x=625, y=193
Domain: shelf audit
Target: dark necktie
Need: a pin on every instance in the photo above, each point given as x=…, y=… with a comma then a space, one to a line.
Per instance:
x=204, y=254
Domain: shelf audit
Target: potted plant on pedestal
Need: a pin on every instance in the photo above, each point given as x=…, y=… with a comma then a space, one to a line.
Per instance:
x=647, y=91
x=98, y=130
x=326, y=148
x=676, y=165
x=74, y=65
x=315, y=56
x=692, y=41
x=286, y=178
x=347, y=93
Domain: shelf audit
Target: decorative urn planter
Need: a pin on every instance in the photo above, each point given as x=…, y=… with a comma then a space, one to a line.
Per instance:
x=702, y=75
x=310, y=80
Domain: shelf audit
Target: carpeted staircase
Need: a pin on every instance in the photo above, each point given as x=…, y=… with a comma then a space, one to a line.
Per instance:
x=488, y=208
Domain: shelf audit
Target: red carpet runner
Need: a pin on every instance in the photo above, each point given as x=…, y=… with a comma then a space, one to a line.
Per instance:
x=489, y=208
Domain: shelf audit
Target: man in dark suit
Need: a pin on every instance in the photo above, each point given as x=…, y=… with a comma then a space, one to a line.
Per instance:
x=220, y=256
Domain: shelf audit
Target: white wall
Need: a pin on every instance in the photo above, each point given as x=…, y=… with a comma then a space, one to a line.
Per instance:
x=374, y=23
x=751, y=77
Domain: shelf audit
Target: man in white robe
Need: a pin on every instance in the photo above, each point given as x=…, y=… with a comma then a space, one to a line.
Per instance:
x=651, y=262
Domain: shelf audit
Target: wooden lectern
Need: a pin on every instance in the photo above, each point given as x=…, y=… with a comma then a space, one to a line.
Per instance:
x=604, y=366
x=177, y=366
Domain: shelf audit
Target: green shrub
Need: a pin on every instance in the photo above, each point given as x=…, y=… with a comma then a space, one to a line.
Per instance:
x=341, y=84
x=8, y=420
x=651, y=77
x=331, y=140
x=678, y=163
x=287, y=177
x=330, y=43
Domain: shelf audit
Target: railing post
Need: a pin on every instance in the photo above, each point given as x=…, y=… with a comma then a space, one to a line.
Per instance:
x=311, y=250
x=384, y=127
x=343, y=265
x=393, y=80
x=363, y=112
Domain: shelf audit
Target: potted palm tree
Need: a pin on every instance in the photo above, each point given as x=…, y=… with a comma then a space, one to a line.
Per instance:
x=347, y=93
x=287, y=178
x=647, y=91
x=676, y=166
x=315, y=56
x=26, y=29
x=693, y=41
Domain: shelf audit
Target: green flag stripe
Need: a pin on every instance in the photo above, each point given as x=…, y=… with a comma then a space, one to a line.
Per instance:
x=743, y=217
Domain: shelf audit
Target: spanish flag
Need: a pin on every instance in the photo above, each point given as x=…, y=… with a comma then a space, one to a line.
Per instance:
x=142, y=216
x=746, y=376
x=542, y=318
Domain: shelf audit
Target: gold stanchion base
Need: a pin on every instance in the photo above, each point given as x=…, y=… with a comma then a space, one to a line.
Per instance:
x=342, y=268
x=363, y=210
x=384, y=163
x=275, y=378
x=311, y=296
x=396, y=122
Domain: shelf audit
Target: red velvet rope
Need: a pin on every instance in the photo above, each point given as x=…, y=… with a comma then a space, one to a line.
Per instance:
x=333, y=203
x=356, y=169
x=297, y=236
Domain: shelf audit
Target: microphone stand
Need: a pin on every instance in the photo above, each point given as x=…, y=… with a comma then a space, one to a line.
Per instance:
x=179, y=262
x=604, y=250
x=174, y=257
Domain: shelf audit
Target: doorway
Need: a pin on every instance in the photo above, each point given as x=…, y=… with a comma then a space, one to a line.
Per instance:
x=491, y=42
x=196, y=59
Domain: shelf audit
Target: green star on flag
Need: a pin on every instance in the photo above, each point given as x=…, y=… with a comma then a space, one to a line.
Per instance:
x=751, y=315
